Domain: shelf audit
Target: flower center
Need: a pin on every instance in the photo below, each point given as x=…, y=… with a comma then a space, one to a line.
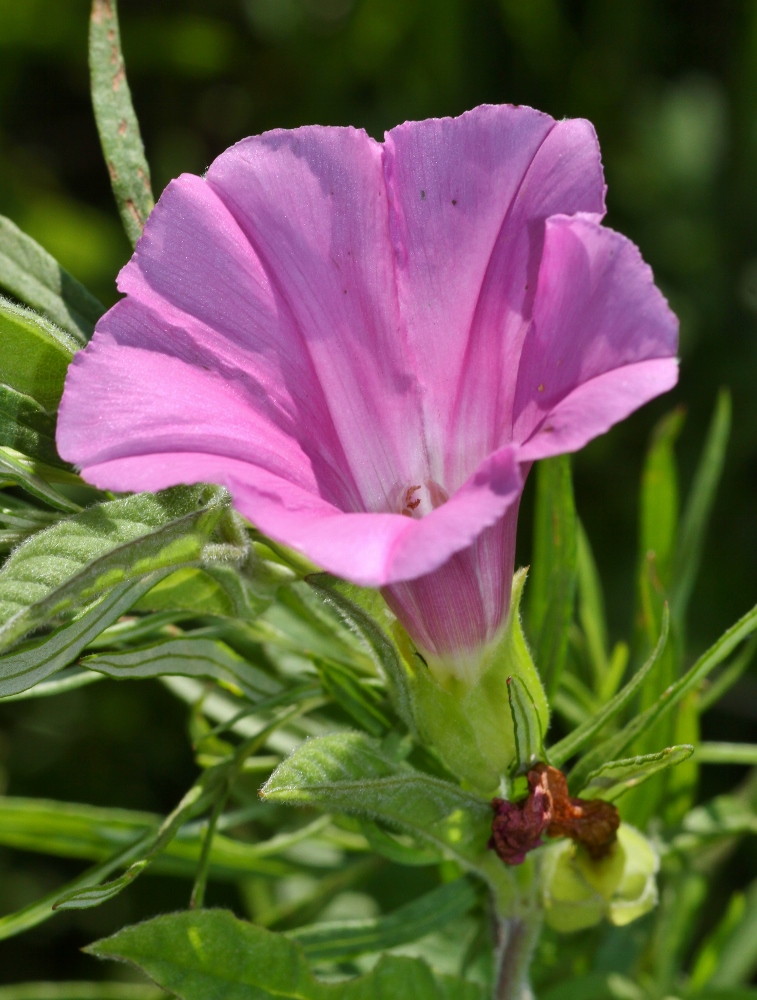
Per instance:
x=417, y=500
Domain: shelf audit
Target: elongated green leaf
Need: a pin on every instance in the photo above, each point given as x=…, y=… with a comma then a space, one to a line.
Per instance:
x=213, y=784
x=690, y=681
x=727, y=753
x=66, y=680
x=35, y=477
x=727, y=676
x=611, y=780
x=112, y=543
x=392, y=847
x=659, y=496
x=738, y=951
x=361, y=702
x=116, y=121
x=35, y=354
x=364, y=612
x=344, y=939
x=575, y=741
x=25, y=426
x=553, y=568
x=34, y=277
x=94, y=895
x=301, y=622
x=210, y=955
x=347, y=772
x=529, y=740
x=42, y=658
x=591, y=607
x=93, y=833
x=80, y=991
x=37, y=913
x=187, y=658
x=189, y=589
x=699, y=506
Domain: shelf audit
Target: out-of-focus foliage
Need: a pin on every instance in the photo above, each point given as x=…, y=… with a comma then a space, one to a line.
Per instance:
x=671, y=87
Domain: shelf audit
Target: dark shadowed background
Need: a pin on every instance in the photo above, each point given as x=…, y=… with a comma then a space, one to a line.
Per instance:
x=672, y=90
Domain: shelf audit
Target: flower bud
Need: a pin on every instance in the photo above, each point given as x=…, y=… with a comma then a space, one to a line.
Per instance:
x=578, y=890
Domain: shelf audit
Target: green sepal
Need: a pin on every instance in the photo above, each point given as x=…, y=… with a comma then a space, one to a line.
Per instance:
x=529, y=739
x=470, y=724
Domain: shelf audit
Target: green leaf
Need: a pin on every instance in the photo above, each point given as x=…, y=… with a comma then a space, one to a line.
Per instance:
x=73, y=561
x=529, y=739
x=727, y=753
x=591, y=609
x=340, y=940
x=575, y=741
x=392, y=847
x=659, y=497
x=26, y=426
x=34, y=277
x=187, y=657
x=611, y=780
x=699, y=506
x=361, y=702
x=116, y=121
x=553, y=570
x=41, y=658
x=363, y=611
x=93, y=833
x=80, y=991
x=35, y=355
x=37, y=913
x=35, y=477
x=210, y=955
x=690, y=682
x=738, y=949
x=213, y=784
x=347, y=772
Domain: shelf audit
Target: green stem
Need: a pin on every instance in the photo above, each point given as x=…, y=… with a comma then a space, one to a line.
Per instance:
x=517, y=938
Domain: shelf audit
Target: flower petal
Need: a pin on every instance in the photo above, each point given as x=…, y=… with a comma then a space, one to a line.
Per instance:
x=313, y=204
x=565, y=176
x=198, y=298
x=597, y=405
x=370, y=549
x=455, y=186
x=602, y=341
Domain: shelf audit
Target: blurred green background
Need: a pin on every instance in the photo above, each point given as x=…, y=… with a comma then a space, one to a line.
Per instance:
x=672, y=90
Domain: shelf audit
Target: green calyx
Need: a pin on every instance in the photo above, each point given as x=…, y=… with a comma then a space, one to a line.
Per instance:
x=469, y=720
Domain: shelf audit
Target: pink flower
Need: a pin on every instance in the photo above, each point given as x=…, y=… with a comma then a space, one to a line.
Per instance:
x=369, y=343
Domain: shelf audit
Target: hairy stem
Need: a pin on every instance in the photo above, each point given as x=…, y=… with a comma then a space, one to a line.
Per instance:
x=517, y=937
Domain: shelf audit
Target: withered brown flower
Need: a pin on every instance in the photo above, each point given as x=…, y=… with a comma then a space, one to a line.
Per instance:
x=517, y=827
